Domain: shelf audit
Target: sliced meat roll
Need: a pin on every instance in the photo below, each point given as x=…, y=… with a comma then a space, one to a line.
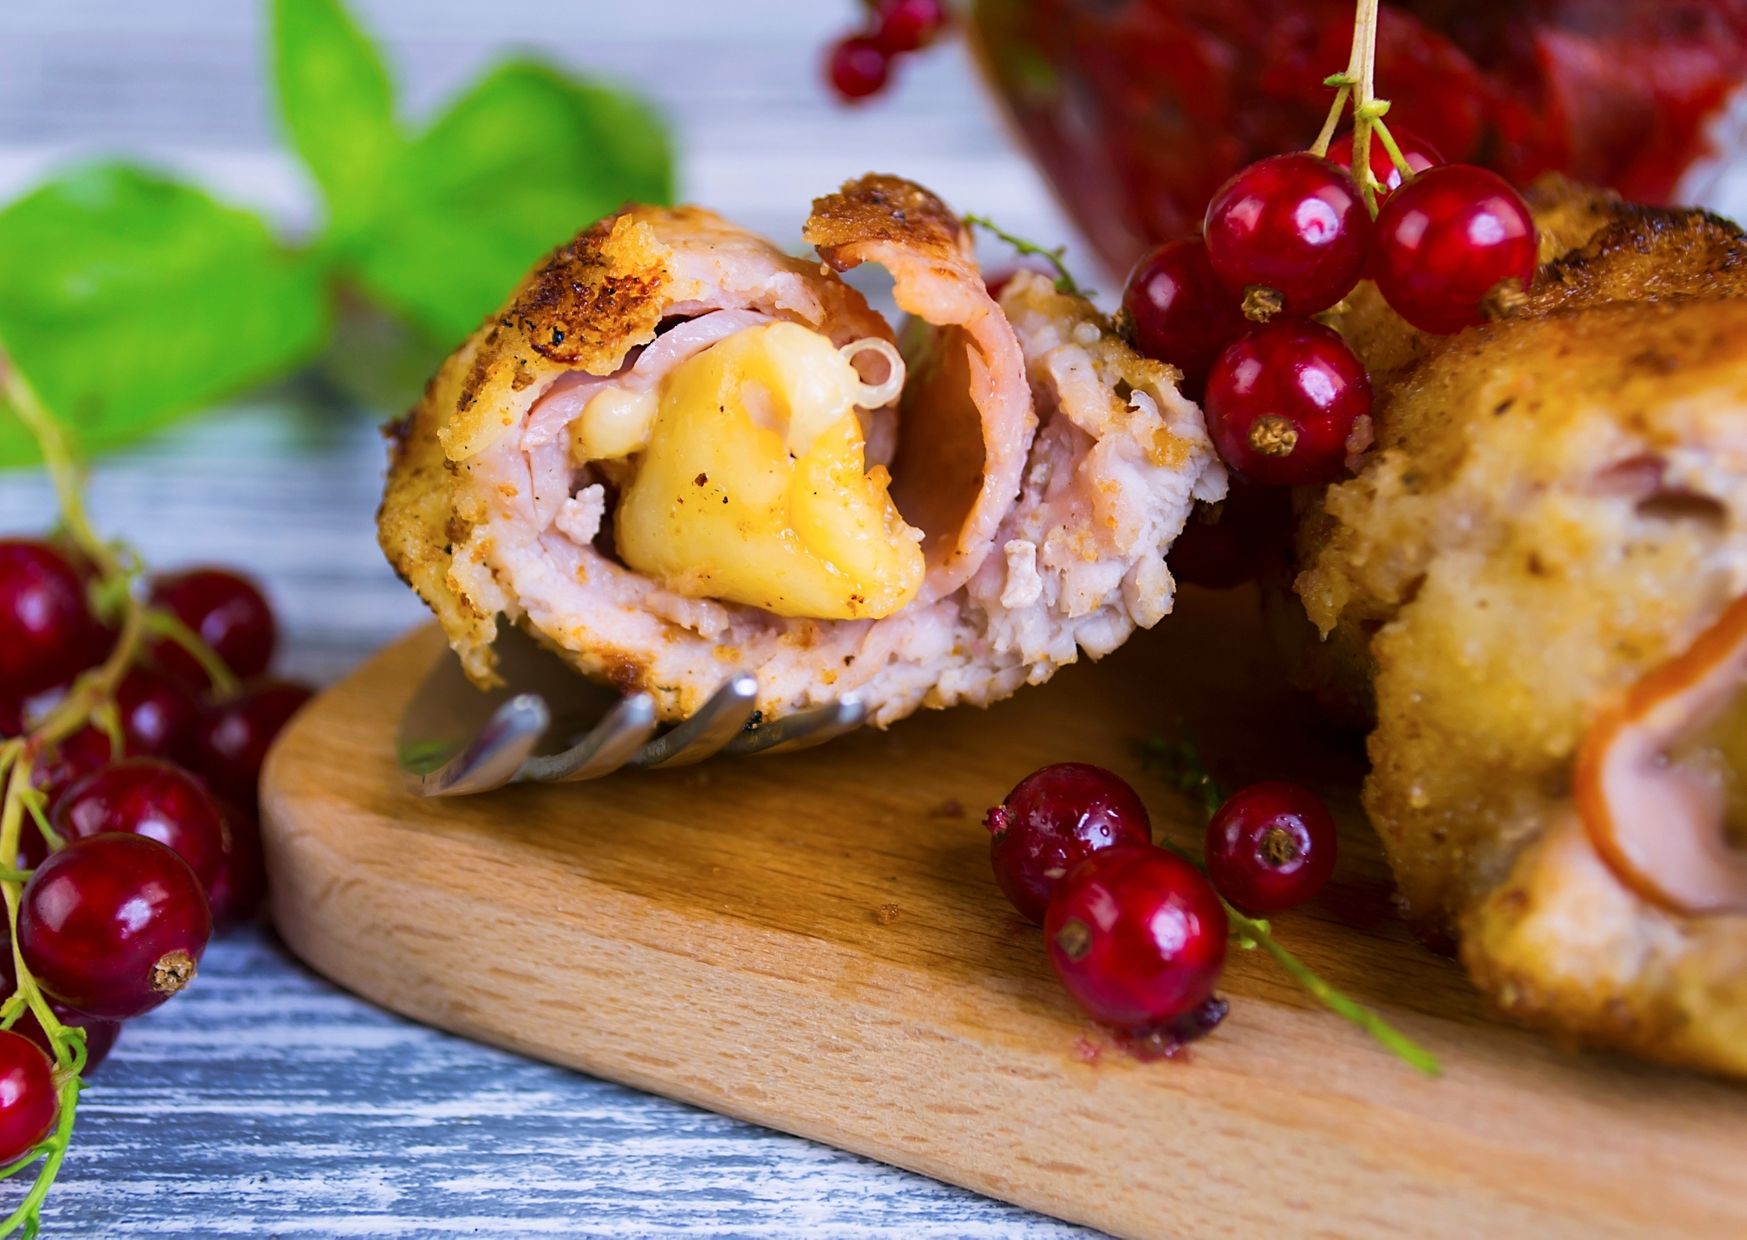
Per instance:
x=678, y=452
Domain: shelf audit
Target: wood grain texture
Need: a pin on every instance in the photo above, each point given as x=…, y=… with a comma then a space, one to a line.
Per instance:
x=813, y=942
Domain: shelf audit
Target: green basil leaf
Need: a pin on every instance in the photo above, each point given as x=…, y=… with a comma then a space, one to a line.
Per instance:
x=517, y=165
x=336, y=103
x=132, y=300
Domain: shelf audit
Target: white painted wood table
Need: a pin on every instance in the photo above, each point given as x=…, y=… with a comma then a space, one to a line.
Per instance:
x=265, y=1101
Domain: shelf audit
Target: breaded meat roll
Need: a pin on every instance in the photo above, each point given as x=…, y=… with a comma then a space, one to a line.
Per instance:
x=1542, y=572
x=678, y=451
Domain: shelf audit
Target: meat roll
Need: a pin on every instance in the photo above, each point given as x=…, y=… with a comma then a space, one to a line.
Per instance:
x=678, y=451
x=1541, y=572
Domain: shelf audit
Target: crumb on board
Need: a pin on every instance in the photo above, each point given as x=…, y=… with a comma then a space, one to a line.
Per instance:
x=886, y=914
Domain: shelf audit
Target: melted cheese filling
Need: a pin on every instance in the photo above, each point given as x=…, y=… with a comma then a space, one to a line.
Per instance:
x=748, y=480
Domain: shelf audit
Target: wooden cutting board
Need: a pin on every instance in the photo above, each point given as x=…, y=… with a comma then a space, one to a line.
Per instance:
x=814, y=942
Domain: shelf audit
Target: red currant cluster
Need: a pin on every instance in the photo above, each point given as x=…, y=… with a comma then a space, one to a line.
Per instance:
x=859, y=65
x=1289, y=237
x=130, y=753
x=1137, y=934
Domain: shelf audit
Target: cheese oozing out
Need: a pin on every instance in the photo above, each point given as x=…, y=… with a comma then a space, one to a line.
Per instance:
x=748, y=479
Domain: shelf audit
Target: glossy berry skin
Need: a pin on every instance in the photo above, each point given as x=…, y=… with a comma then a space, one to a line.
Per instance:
x=157, y=713
x=149, y=797
x=1179, y=313
x=1239, y=539
x=226, y=611
x=1419, y=154
x=1054, y=818
x=1293, y=223
x=907, y=25
x=29, y=1104
x=58, y=769
x=100, y=1034
x=235, y=895
x=1446, y=240
x=1270, y=847
x=113, y=925
x=1137, y=936
x=47, y=633
x=231, y=740
x=857, y=68
x=1283, y=402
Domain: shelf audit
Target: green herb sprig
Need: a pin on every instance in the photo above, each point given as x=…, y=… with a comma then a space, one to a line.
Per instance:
x=1056, y=258
x=1180, y=763
x=134, y=299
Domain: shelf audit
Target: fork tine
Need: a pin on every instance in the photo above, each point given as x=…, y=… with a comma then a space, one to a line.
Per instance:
x=609, y=745
x=802, y=730
x=492, y=758
x=717, y=722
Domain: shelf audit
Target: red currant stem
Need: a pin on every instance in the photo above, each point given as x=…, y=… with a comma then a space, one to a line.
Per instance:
x=161, y=623
x=8, y=874
x=1064, y=279
x=1394, y=150
x=1319, y=148
x=34, y=805
x=29, y=1211
x=11, y=823
x=1182, y=765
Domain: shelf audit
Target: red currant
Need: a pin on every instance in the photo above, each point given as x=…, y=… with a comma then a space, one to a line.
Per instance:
x=1270, y=847
x=1178, y=312
x=29, y=1102
x=144, y=796
x=47, y=632
x=235, y=895
x=1137, y=936
x=11, y=718
x=1053, y=818
x=100, y=1035
x=1418, y=153
x=1293, y=223
x=226, y=611
x=113, y=925
x=907, y=25
x=1284, y=403
x=59, y=768
x=157, y=714
x=1446, y=240
x=857, y=68
x=231, y=741
x=1236, y=540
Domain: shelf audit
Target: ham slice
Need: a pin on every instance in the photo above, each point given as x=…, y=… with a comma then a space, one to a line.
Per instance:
x=1048, y=466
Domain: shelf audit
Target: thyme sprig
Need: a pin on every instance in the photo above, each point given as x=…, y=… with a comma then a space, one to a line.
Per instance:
x=1056, y=258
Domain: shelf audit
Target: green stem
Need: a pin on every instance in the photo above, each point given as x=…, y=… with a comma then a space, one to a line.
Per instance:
x=1394, y=150
x=1336, y=111
x=1064, y=279
x=29, y=1210
x=1362, y=68
x=163, y=624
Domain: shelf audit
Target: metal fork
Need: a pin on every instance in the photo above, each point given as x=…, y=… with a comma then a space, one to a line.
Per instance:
x=547, y=724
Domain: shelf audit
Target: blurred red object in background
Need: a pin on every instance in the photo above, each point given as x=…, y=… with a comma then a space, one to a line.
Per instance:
x=1137, y=110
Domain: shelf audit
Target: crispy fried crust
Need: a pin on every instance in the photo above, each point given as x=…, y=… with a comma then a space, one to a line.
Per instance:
x=878, y=209
x=584, y=307
x=1554, y=508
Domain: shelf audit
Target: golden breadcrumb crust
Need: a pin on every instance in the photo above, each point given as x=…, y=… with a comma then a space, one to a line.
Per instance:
x=1552, y=509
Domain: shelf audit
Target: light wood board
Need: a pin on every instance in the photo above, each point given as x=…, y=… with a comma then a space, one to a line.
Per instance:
x=814, y=942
